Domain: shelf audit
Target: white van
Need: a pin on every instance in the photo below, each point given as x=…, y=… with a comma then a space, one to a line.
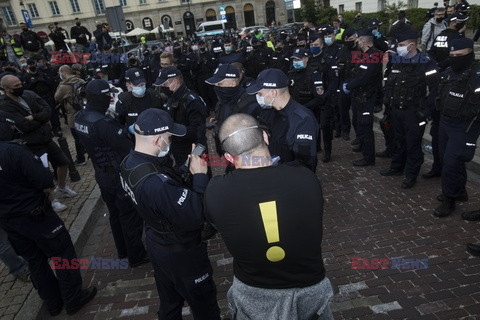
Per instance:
x=210, y=28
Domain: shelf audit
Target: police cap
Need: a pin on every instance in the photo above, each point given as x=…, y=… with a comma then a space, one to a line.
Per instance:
x=269, y=79
x=374, y=22
x=299, y=53
x=461, y=43
x=363, y=33
x=154, y=121
x=165, y=74
x=407, y=35
x=135, y=76
x=224, y=71
x=98, y=86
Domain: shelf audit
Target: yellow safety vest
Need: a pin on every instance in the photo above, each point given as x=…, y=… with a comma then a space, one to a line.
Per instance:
x=339, y=35
x=18, y=50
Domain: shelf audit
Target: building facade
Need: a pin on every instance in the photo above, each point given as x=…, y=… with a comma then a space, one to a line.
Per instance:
x=377, y=5
x=181, y=15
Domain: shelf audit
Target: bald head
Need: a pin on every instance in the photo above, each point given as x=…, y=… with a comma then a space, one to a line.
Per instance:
x=9, y=82
x=240, y=134
x=66, y=70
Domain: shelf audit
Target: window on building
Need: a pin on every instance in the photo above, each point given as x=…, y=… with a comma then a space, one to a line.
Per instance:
x=186, y=1
x=412, y=4
x=54, y=7
x=75, y=6
x=358, y=6
x=99, y=6
x=33, y=10
x=381, y=5
x=123, y=3
x=143, y=1
x=9, y=16
x=341, y=8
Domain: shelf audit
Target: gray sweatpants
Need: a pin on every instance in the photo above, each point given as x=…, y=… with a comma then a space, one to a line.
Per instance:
x=309, y=303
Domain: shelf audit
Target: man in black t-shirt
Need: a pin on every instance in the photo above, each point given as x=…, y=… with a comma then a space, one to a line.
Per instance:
x=270, y=217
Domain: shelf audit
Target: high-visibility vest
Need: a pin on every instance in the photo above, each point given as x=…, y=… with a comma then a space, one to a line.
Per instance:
x=339, y=35
x=18, y=50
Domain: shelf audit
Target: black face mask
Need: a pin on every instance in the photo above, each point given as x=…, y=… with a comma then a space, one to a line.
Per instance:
x=462, y=62
x=438, y=20
x=33, y=69
x=459, y=26
x=350, y=44
x=166, y=91
x=17, y=91
x=99, y=102
x=202, y=49
x=225, y=94
x=78, y=24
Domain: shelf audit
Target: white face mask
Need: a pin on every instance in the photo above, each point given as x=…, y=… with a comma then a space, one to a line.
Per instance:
x=402, y=51
x=163, y=153
x=262, y=103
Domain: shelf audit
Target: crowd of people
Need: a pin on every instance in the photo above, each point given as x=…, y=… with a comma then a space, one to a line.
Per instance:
x=273, y=103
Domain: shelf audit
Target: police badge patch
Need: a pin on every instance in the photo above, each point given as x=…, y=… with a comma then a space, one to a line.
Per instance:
x=319, y=90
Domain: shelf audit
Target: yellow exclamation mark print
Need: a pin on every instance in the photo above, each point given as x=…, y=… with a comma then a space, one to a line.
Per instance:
x=270, y=223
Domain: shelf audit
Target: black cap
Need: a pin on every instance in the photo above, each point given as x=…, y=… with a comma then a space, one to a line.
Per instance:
x=364, y=32
x=98, y=86
x=407, y=35
x=461, y=43
x=326, y=30
x=348, y=32
x=269, y=79
x=314, y=37
x=299, y=53
x=457, y=17
x=153, y=121
x=301, y=37
x=224, y=71
x=135, y=76
x=165, y=74
x=374, y=22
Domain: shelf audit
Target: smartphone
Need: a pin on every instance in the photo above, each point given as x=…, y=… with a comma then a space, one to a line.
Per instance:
x=198, y=151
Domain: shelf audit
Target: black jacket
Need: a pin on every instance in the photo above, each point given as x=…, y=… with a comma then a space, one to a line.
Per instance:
x=36, y=131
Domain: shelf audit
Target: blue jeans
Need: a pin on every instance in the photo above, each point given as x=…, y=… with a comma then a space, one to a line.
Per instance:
x=14, y=263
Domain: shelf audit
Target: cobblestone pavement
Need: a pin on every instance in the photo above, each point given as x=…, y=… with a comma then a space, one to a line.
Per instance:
x=13, y=293
x=367, y=216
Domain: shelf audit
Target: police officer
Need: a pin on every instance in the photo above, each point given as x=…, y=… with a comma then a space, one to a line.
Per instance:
x=138, y=98
x=107, y=144
x=363, y=87
x=205, y=68
x=232, y=97
x=256, y=60
x=186, y=108
x=173, y=215
x=280, y=58
x=345, y=68
x=293, y=127
x=406, y=94
x=441, y=46
x=35, y=231
x=459, y=102
x=230, y=54
x=310, y=86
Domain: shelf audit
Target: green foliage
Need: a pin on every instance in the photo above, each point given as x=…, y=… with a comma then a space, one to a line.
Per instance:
x=474, y=17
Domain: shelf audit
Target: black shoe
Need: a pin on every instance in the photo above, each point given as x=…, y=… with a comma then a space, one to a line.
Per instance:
x=355, y=141
x=80, y=162
x=471, y=215
x=86, y=296
x=383, y=154
x=327, y=156
x=144, y=260
x=346, y=136
x=431, y=174
x=56, y=311
x=337, y=134
x=462, y=198
x=446, y=208
x=473, y=249
x=408, y=183
x=363, y=163
x=390, y=172
x=208, y=231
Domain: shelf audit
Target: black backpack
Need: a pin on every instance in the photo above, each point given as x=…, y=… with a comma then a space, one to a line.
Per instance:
x=79, y=96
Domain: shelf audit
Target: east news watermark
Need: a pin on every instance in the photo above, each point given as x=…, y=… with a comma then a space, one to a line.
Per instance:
x=92, y=263
x=59, y=57
x=398, y=263
x=384, y=57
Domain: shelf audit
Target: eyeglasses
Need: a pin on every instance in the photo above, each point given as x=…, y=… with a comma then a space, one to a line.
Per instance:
x=237, y=131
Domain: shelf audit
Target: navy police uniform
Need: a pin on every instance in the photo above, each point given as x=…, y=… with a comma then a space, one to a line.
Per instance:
x=173, y=215
x=293, y=129
x=107, y=144
x=363, y=86
x=411, y=104
x=459, y=104
x=35, y=231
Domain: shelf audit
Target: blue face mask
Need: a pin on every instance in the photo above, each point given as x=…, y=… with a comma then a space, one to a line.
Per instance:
x=315, y=50
x=376, y=33
x=328, y=41
x=298, y=64
x=139, y=91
